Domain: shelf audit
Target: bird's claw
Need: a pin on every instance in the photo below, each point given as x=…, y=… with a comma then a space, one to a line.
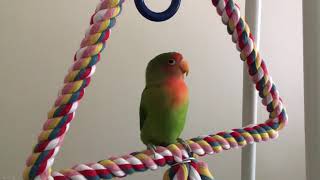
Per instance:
x=186, y=145
x=152, y=148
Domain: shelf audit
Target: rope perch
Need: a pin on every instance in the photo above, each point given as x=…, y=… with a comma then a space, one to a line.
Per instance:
x=175, y=153
x=38, y=165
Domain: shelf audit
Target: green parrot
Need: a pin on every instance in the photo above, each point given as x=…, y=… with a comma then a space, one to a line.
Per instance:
x=164, y=101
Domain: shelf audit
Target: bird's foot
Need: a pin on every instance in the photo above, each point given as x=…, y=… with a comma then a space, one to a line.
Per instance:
x=152, y=148
x=186, y=145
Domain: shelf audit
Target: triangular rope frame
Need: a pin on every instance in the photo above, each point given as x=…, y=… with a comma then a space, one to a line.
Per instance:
x=38, y=165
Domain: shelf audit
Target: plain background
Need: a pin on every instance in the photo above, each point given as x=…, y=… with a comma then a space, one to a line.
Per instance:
x=38, y=39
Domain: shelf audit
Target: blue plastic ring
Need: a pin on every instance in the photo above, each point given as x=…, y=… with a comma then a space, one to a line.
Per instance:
x=157, y=16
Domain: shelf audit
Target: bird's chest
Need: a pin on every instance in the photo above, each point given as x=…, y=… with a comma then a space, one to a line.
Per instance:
x=177, y=92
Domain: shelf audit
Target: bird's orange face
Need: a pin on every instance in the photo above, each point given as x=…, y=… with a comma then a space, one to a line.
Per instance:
x=166, y=66
x=176, y=65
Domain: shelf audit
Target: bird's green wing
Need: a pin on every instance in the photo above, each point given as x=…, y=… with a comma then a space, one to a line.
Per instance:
x=142, y=110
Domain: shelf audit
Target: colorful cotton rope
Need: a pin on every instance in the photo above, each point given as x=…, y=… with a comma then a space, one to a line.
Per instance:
x=39, y=163
x=79, y=76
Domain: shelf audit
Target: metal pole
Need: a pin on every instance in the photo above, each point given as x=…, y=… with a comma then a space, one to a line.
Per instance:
x=311, y=43
x=249, y=95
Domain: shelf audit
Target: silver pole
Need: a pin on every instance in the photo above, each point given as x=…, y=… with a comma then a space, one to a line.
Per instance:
x=311, y=44
x=249, y=95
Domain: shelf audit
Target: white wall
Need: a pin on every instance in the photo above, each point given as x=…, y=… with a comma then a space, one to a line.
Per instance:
x=37, y=42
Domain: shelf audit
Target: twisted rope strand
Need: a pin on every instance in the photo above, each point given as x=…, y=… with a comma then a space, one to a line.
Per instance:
x=79, y=76
x=175, y=153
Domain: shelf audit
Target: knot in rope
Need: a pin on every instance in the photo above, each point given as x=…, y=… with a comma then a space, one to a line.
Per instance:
x=186, y=166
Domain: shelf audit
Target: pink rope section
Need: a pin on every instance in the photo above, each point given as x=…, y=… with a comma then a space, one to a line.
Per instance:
x=59, y=118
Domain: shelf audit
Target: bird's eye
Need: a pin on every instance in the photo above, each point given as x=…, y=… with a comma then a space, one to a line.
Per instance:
x=171, y=62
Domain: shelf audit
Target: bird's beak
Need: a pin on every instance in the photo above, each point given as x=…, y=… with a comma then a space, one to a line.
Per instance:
x=184, y=66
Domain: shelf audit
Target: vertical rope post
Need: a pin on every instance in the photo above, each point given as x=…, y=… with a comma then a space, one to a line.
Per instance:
x=311, y=43
x=249, y=94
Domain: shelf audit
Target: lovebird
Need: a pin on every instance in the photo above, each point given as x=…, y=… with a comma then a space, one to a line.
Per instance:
x=164, y=100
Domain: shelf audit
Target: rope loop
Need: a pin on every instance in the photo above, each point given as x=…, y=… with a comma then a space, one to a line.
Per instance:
x=50, y=139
